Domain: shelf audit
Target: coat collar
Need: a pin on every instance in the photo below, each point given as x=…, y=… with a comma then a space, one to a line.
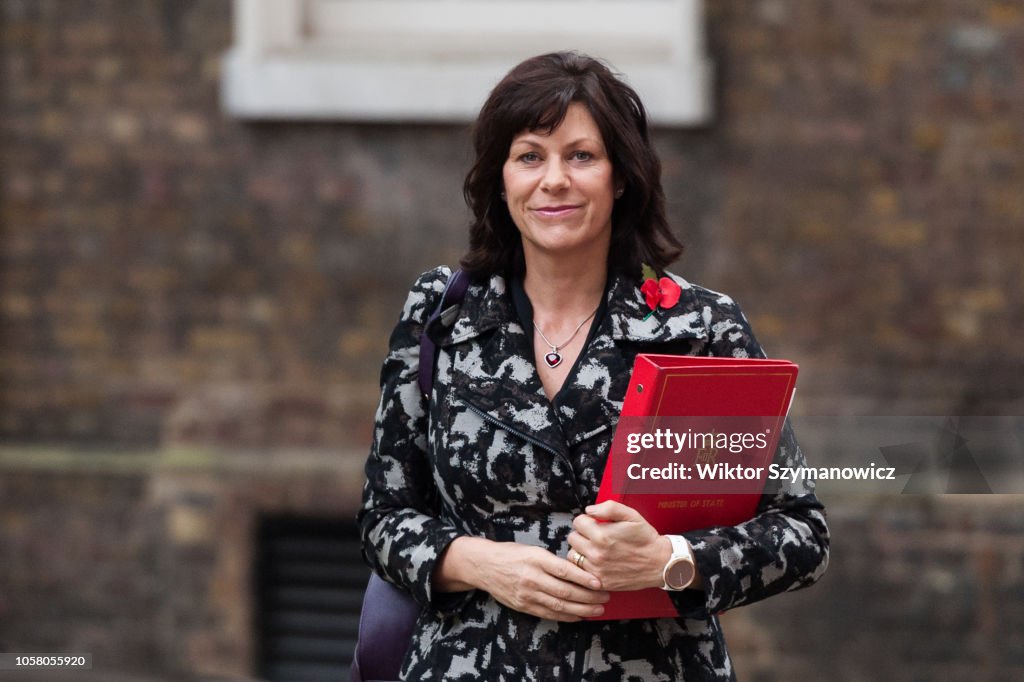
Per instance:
x=488, y=305
x=496, y=375
x=500, y=378
x=629, y=314
x=485, y=307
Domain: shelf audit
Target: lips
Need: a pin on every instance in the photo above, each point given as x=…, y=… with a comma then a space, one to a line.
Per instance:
x=555, y=211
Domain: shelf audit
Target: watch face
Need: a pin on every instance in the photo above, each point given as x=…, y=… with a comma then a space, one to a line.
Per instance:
x=679, y=575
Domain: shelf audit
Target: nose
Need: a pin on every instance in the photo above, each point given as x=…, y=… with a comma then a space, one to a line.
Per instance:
x=555, y=178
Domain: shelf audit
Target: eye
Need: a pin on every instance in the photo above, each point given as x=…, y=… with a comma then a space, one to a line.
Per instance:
x=582, y=156
x=529, y=157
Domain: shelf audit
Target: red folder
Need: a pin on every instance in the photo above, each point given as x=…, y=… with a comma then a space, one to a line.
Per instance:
x=666, y=386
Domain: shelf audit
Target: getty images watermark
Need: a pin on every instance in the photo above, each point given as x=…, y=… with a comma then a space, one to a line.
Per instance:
x=869, y=455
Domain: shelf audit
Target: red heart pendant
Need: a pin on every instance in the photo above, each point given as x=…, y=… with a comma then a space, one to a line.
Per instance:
x=553, y=359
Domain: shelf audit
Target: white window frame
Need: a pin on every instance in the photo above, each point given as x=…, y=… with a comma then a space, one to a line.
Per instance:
x=407, y=60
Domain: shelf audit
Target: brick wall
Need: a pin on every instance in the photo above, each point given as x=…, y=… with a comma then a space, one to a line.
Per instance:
x=173, y=280
x=866, y=200
x=858, y=192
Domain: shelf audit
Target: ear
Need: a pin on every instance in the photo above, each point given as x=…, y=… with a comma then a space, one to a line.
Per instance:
x=620, y=185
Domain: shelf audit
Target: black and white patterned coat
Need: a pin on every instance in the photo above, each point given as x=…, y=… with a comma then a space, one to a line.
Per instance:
x=494, y=458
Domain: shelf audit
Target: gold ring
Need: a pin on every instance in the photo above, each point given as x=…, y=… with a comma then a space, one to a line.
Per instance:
x=579, y=560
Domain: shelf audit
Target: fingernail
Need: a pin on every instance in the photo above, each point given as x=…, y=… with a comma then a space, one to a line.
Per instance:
x=598, y=610
x=596, y=584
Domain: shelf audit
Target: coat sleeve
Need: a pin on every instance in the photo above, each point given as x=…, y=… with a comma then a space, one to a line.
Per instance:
x=402, y=534
x=786, y=545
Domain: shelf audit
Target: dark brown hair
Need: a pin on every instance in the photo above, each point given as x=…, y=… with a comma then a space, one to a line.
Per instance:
x=535, y=96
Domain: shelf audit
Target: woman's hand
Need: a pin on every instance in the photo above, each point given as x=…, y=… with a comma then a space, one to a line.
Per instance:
x=522, y=577
x=625, y=553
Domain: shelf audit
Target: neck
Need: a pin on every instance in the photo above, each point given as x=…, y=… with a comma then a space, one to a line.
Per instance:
x=562, y=292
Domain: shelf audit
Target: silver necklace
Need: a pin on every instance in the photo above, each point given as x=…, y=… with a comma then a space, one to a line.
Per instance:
x=554, y=358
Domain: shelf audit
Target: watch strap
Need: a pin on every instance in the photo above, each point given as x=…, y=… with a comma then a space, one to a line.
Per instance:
x=681, y=551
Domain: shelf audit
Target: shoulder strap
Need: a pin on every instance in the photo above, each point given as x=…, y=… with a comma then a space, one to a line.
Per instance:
x=451, y=299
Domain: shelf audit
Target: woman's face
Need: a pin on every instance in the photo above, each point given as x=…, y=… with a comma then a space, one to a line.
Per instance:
x=560, y=188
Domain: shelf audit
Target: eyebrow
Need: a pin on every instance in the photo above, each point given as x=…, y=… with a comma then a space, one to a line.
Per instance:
x=532, y=143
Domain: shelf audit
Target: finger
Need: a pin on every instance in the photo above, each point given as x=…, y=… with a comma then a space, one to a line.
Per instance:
x=589, y=549
x=578, y=554
x=596, y=539
x=585, y=586
x=568, y=599
x=569, y=571
x=553, y=591
x=570, y=611
x=543, y=606
x=548, y=614
x=588, y=527
x=610, y=510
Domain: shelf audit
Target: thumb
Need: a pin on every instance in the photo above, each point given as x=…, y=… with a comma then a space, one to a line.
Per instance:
x=610, y=510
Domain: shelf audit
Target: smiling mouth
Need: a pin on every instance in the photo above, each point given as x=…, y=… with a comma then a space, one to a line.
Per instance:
x=555, y=211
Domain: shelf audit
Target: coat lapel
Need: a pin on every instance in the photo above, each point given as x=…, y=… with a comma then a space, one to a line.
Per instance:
x=631, y=323
x=592, y=403
x=497, y=376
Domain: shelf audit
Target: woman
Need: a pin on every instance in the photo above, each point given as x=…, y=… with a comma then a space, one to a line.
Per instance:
x=480, y=501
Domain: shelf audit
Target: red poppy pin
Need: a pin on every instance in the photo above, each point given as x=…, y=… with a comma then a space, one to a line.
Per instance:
x=659, y=293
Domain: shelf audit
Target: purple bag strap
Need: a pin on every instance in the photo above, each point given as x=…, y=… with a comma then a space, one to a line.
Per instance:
x=454, y=293
x=389, y=614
